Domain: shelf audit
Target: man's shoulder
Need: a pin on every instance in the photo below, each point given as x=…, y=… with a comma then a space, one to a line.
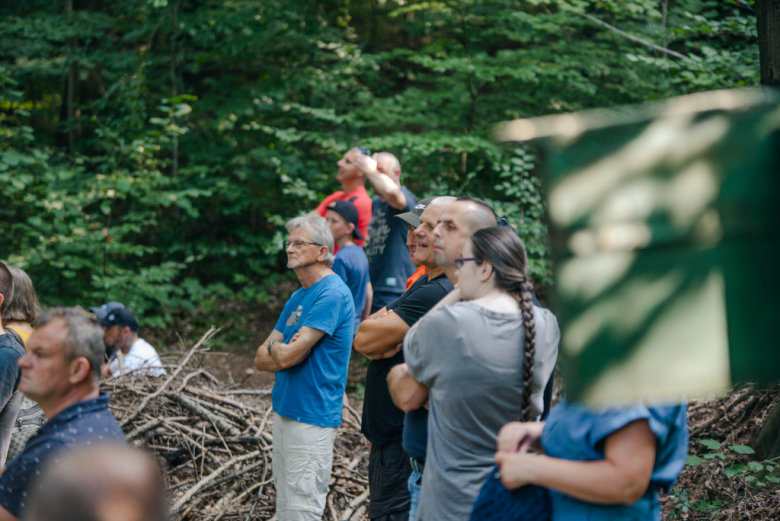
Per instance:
x=10, y=348
x=436, y=284
x=353, y=255
x=411, y=199
x=143, y=348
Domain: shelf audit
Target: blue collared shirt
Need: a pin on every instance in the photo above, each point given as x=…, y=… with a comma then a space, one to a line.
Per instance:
x=83, y=423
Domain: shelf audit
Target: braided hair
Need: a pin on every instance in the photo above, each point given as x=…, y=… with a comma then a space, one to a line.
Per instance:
x=505, y=251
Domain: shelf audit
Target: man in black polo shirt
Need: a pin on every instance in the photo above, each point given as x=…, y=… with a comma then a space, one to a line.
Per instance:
x=61, y=372
x=379, y=338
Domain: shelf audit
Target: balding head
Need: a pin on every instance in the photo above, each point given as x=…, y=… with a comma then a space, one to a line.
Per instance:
x=388, y=164
x=456, y=223
x=477, y=214
x=108, y=482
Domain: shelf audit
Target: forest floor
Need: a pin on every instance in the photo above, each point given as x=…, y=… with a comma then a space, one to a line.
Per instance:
x=724, y=482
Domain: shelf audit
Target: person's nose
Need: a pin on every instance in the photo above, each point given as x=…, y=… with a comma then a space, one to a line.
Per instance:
x=24, y=362
x=437, y=231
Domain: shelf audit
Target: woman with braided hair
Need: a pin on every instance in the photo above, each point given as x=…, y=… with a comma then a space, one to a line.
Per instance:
x=471, y=357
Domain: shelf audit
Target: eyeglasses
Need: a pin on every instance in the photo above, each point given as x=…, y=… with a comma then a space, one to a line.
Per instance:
x=297, y=245
x=365, y=151
x=460, y=262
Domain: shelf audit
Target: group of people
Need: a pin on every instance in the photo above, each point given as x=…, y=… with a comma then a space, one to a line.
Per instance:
x=436, y=294
x=461, y=362
x=50, y=401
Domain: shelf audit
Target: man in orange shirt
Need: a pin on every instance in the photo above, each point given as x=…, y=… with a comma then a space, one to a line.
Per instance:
x=353, y=182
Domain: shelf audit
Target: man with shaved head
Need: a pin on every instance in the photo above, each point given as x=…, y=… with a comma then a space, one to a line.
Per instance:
x=105, y=482
x=456, y=223
x=388, y=258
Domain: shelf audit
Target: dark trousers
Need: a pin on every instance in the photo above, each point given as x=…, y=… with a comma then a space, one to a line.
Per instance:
x=388, y=473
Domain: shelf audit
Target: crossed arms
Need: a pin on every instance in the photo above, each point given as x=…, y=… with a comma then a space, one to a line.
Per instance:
x=283, y=356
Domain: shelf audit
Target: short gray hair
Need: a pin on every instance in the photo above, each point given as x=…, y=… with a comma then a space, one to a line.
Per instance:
x=320, y=233
x=84, y=338
x=443, y=200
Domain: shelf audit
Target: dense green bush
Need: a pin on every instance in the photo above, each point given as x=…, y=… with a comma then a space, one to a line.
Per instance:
x=190, y=143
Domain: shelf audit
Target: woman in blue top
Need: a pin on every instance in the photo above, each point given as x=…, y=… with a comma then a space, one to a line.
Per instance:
x=598, y=464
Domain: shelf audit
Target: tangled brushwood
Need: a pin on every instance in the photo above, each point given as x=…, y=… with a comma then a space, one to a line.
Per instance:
x=213, y=444
x=724, y=479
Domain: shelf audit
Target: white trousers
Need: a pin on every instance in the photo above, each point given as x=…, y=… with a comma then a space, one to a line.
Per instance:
x=302, y=461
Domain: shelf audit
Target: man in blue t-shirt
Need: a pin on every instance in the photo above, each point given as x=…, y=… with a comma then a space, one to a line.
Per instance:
x=309, y=351
x=388, y=257
x=351, y=263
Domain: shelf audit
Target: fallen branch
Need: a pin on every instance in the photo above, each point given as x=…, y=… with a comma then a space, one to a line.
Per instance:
x=207, y=335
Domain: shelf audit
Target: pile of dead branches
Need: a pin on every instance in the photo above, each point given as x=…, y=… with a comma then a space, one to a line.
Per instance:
x=214, y=443
x=706, y=489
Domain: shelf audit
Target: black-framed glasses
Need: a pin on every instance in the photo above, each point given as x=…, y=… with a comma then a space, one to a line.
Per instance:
x=297, y=245
x=460, y=262
x=365, y=151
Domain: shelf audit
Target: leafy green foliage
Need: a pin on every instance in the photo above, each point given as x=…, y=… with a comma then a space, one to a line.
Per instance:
x=193, y=142
x=728, y=468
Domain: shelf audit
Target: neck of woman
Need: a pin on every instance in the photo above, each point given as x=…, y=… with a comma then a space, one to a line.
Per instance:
x=498, y=300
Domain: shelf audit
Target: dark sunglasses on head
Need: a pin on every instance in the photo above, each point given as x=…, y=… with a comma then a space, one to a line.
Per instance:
x=365, y=151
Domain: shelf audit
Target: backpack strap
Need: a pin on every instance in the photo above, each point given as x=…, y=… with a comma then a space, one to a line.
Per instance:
x=15, y=336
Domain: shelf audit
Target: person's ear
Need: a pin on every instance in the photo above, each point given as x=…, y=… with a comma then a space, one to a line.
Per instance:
x=2, y=299
x=485, y=271
x=323, y=254
x=350, y=228
x=79, y=370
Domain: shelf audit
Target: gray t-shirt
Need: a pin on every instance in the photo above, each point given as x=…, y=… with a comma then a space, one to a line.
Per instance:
x=471, y=360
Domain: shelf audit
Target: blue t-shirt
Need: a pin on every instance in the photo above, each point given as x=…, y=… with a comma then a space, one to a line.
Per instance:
x=312, y=391
x=389, y=264
x=351, y=265
x=575, y=432
x=82, y=423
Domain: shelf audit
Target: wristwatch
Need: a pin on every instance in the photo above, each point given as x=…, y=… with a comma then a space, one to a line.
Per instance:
x=270, y=345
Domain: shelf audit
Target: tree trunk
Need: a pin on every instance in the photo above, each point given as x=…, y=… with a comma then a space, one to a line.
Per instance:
x=73, y=80
x=174, y=86
x=768, y=20
x=767, y=442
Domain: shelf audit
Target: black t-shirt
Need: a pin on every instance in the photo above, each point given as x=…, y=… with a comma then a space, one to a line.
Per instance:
x=382, y=420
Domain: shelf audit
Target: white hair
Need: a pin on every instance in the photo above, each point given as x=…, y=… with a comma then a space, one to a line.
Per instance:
x=320, y=232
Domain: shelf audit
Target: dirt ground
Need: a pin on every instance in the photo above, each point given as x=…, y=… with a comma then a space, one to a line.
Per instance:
x=702, y=492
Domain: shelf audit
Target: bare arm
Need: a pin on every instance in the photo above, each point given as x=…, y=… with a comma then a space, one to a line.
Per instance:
x=408, y=394
x=301, y=344
x=378, y=335
x=622, y=477
x=263, y=361
x=369, y=301
x=385, y=187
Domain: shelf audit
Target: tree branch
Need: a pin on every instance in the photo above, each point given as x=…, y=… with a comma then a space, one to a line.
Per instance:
x=634, y=38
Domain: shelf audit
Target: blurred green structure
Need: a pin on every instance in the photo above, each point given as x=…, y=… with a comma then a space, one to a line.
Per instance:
x=665, y=230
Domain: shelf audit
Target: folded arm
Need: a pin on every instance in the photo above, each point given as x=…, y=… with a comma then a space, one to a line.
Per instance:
x=282, y=356
x=622, y=477
x=380, y=334
x=408, y=394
